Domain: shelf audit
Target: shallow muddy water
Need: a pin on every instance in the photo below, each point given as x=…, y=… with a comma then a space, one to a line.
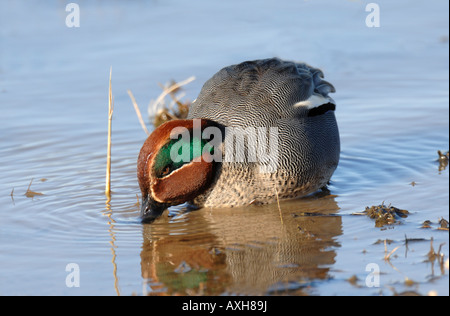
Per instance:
x=392, y=110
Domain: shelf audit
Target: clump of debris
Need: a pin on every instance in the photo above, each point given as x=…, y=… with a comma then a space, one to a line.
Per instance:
x=384, y=215
x=441, y=225
x=443, y=160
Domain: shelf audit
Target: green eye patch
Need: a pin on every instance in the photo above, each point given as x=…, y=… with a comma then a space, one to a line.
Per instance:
x=178, y=152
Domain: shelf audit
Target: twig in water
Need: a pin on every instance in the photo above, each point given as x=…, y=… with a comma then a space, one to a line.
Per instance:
x=30, y=193
x=386, y=255
x=12, y=196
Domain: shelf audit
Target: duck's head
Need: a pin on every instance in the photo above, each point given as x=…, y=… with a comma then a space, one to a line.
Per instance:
x=176, y=164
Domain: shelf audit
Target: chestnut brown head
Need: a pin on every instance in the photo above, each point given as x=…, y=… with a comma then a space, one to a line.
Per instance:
x=176, y=164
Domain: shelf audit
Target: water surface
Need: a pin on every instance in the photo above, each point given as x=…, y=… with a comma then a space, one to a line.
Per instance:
x=393, y=115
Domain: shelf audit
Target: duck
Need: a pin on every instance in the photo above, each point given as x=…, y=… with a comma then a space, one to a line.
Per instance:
x=259, y=131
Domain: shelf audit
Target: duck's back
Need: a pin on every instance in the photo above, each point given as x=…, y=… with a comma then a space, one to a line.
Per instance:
x=257, y=93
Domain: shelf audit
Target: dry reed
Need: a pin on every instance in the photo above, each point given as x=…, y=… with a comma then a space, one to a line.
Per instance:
x=138, y=112
x=108, y=157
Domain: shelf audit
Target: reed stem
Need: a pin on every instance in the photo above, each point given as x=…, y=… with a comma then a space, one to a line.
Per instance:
x=138, y=112
x=108, y=156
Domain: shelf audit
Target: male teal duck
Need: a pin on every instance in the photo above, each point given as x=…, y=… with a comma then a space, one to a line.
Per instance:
x=287, y=118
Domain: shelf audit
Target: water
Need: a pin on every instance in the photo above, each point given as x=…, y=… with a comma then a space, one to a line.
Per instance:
x=393, y=114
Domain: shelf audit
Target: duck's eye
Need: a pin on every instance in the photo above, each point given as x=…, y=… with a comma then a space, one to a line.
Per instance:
x=165, y=171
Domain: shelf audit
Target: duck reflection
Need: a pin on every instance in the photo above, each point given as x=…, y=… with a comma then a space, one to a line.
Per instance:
x=252, y=250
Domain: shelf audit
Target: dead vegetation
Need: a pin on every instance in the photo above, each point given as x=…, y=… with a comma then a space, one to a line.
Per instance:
x=162, y=110
x=30, y=193
x=443, y=160
x=442, y=224
x=384, y=215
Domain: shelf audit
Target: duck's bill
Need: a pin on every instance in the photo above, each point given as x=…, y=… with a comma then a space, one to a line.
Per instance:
x=151, y=210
